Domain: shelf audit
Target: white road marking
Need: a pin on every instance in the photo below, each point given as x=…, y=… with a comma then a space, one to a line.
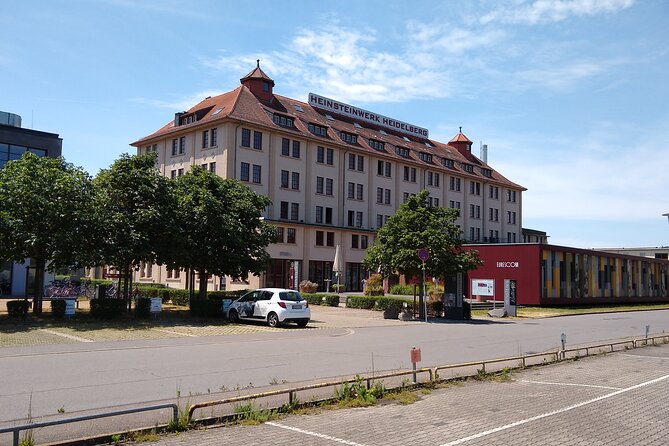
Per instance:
x=65, y=335
x=567, y=384
x=644, y=356
x=314, y=434
x=555, y=412
x=175, y=332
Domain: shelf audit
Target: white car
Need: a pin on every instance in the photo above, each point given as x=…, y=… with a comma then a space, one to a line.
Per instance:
x=273, y=305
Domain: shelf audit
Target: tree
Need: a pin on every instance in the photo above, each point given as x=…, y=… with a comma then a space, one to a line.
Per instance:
x=136, y=205
x=221, y=229
x=419, y=225
x=45, y=215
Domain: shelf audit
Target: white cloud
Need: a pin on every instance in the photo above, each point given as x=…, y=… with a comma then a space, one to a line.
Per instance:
x=179, y=103
x=542, y=11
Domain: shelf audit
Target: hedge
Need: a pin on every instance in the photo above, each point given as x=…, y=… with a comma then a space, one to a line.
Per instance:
x=18, y=308
x=107, y=308
x=384, y=303
x=402, y=290
x=143, y=307
x=58, y=308
x=329, y=300
x=364, y=302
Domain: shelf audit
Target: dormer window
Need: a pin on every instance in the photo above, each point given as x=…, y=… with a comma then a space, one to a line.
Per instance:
x=406, y=139
x=468, y=168
x=348, y=137
x=425, y=157
x=377, y=145
x=318, y=130
x=402, y=151
x=447, y=163
x=486, y=172
x=298, y=108
x=265, y=86
x=283, y=121
x=356, y=125
x=187, y=119
x=329, y=117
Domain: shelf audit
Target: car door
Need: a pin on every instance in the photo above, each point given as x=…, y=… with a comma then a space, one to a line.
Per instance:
x=262, y=305
x=247, y=305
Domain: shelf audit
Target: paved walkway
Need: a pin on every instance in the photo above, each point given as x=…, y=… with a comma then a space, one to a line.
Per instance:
x=617, y=399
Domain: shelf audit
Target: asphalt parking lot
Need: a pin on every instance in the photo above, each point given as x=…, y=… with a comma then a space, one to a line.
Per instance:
x=614, y=399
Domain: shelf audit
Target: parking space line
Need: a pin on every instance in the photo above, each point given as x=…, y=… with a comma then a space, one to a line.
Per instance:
x=314, y=434
x=175, y=332
x=555, y=412
x=643, y=356
x=566, y=384
x=65, y=335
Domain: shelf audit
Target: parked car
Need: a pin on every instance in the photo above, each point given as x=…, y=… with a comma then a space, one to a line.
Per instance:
x=273, y=305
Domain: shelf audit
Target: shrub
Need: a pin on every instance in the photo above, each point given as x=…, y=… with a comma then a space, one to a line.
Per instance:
x=402, y=290
x=226, y=294
x=331, y=300
x=338, y=288
x=107, y=308
x=435, y=308
x=58, y=308
x=374, y=285
x=313, y=299
x=364, y=302
x=18, y=308
x=205, y=307
x=143, y=307
x=148, y=291
x=384, y=303
x=308, y=287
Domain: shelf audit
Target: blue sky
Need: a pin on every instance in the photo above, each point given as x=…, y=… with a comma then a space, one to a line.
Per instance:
x=570, y=96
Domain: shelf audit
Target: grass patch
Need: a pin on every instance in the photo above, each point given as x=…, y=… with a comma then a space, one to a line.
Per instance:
x=403, y=397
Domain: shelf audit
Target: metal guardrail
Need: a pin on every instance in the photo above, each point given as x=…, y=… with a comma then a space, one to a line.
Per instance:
x=16, y=430
x=433, y=373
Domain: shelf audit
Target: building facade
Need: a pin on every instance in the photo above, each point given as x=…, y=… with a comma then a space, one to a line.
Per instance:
x=18, y=279
x=558, y=275
x=335, y=173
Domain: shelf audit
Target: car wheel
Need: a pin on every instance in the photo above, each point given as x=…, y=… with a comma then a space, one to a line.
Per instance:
x=233, y=316
x=272, y=320
x=302, y=324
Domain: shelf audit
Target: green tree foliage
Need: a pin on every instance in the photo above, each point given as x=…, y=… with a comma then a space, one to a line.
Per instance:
x=136, y=208
x=418, y=225
x=221, y=230
x=45, y=215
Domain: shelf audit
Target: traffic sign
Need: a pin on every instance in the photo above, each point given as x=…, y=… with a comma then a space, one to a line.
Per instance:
x=423, y=254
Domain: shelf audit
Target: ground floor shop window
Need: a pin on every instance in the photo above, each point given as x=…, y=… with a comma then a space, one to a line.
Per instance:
x=321, y=273
x=283, y=274
x=355, y=273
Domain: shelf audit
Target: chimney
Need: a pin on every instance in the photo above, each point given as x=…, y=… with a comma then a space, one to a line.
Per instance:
x=484, y=153
x=177, y=118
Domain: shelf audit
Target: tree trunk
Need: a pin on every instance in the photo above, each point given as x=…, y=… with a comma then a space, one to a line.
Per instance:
x=40, y=266
x=203, y=284
x=190, y=284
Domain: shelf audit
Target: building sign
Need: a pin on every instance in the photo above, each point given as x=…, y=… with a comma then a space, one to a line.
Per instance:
x=508, y=264
x=156, y=305
x=350, y=111
x=483, y=287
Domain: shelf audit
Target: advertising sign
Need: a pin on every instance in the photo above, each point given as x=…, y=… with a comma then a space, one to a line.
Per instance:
x=156, y=305
x=69, y=307
x=483, y=287
x=510, y=297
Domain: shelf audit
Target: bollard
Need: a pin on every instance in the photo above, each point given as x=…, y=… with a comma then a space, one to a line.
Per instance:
x=415, y=357
x=563, y=339
x=647, y=330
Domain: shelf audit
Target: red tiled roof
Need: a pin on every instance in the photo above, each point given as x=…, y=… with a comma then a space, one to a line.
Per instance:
x=257, y=73
x=240, y=104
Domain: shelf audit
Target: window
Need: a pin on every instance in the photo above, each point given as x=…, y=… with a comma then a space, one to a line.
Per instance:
x=320, y=154
x=291, y=236
x=294, y=211
x=278, y=235
x=180, y=172
x=246, y=138
x=296, y=149
x=283, y=121
x=475, y=188
x=493, y=214
x=318, y=130
x=328, y=216
x=330, y=157
x=363, y=242
x=257, y=140
x=467, y=167
x=257, y=174
x=265, y=86
x=351, y=161
x=388, y=170
x=511, y=217
x=447, y=163
x=511, y=196
x=379, y=221
x=319, y=214
x=295, y=183
x=383, y=168
x=410, y=174
x=319, y=238
x=319, y=185
x=351, y=190
x=214, y=137
x=359, y=192
x=433, y=179
x=486, y=172
x=377, y=145
x=351, y=218
x=454, y=204
x=348, y=137
x=284, y=178
x=284, y=210
x=402, y=151
x=328, y=186
x=358, y=219
x=205, y=139
x=387, y=197
x=182, y=145
x=173, y=174
x=330, y=239
x=425, y=157
x=285, y=146
x=379, y=195
x=244, y=172
x=354, y=241
x=493, y=192
x=455, y=184
x=212, y=167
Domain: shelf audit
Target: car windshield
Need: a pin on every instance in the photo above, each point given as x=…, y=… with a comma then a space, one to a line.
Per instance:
x=290, y=295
